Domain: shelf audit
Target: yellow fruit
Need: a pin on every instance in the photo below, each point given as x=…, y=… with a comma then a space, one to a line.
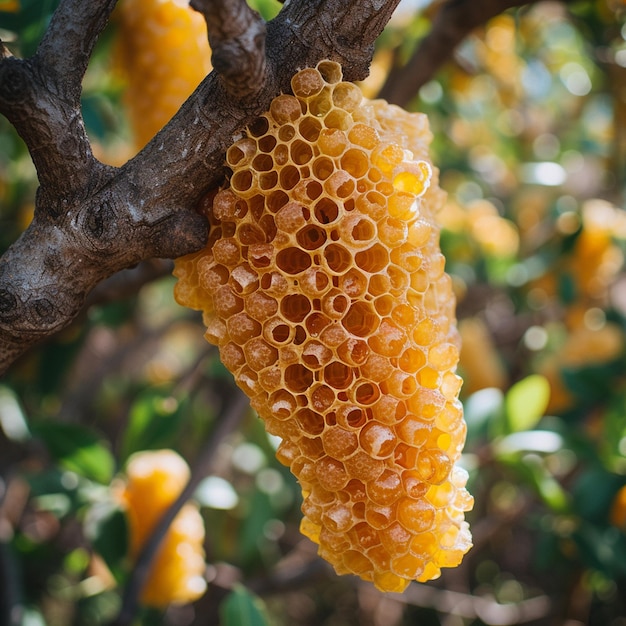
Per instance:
x=154, y=481
x=323, y=285
x=164, y=54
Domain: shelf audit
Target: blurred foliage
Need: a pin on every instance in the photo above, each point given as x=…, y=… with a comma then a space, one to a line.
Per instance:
x=529, y=121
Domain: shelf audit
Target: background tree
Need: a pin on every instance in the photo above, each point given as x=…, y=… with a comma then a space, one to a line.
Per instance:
x=528, y=116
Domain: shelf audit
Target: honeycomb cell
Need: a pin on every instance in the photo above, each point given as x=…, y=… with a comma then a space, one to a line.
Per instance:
x=324, y=287
x=307, y=83
x=293, y=260
x=347, y=96
x=298, y=378
x=361, y=319
x=295, y=307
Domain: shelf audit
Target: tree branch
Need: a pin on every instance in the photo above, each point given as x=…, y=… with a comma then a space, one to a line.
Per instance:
x=76, y=26
x=227, y=422
x=91, y=220
x=237, y=40
x=453, y=22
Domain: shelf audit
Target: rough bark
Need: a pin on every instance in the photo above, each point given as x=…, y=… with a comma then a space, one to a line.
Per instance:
x=92, y=220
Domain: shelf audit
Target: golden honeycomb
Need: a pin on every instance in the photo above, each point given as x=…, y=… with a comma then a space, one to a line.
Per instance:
x=324, y=287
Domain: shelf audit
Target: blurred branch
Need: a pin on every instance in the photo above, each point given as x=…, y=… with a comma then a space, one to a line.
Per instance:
x=227, y=422
x=472, y=607
x=128, y=282
x=454, y=21
x=237, y=40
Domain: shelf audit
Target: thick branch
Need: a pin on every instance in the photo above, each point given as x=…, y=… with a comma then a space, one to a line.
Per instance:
x=237, y=39
x=143, y=210
x=454, y=21
x=65, y=50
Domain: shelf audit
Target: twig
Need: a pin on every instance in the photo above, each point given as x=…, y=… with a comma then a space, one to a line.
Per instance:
x=237, y=39
x=227, y=422
x=453, y=22
x=472, y=607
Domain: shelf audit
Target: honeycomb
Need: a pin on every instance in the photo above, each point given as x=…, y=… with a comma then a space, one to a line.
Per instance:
x=154, y=479
x=163, y=53
x=323, y=285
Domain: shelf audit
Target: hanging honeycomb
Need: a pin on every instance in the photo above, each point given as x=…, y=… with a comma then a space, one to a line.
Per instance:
x=163, y=53
x=324, y=287
x=154, y=479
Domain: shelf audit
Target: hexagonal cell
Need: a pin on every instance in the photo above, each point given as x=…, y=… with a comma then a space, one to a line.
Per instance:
x=240, y=153
x=338, y=519
x=339, y=442
x=242, y=181
x=399, y=280
x=433, y=466
x=293, y=260
x=322, y=168
x=337, y=257
x=322, y=397
x=353, y=283
x=414, y=431
x=377, y=440
x=389, y=341
x=267, y=143
x=387, y=156
x=268, y=180
x=330, y=71
x=307, y=190
x=276, y=200
x=332, y=141
x=270, y=378
x=311, y=237
x=334, y=304
x=338, y=375
x=288, y=176
x=443, y=356
x=242, y=328
x=388, y=410
x=226, y=302
x=310, y=422
x=361, y=319
x=295, y=307
x=307, y=83
x=282, y=404
x=244, y=280
x=259, y=354
x=263, y=163
x=373, y=260
x=400, y=384
x=353, y=351
x=351, y=417
x=364, y=135
x=392, y=231
x=285, y=109
x=347, y=96
x=338, y=118
x=363, y=467
x=315, y=355
x=376, y=368
x=339, y=184
x=274, y=283
x=232, y=356
x=226, y=251
x=356, y=162
x=277, y=333
x=326, y=211
x=321, y=104
x=211, y=277
x=310, y=128
x=301, y=152
x=373, y=204
x=298, y=378
x=366, y=394
x=314, y=283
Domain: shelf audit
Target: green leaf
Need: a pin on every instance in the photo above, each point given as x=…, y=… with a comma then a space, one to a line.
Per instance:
x=242, y=608
x=155, y=418
x=78, y=449
x=106, y=529
x=526, y=402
